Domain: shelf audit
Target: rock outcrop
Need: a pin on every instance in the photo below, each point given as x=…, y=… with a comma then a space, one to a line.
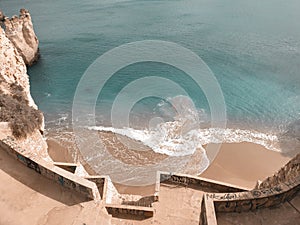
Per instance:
x=19, y=117
x=1, y=16
x=20, y=32
x=13, y=71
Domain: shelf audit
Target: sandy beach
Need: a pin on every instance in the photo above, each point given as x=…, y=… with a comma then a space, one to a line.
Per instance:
x=240, y=164
x=244, y=163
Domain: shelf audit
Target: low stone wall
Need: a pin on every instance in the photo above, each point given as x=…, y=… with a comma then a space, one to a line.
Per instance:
x=208, y=214
x=47, y=169
x=288, y=173
x=226, y=198
x=93, y=187
x=255, y=199
x=145, y=201
x=229, y=198
x=101, y=183
x=71, y=167
x=119, y=210
x=198, y=183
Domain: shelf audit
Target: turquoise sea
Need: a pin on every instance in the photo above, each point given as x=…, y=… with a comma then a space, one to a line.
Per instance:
x=252, y=47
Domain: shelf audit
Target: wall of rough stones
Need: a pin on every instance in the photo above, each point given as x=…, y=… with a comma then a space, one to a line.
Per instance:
x=121, y=210
x=288, y=174
x=255, y=199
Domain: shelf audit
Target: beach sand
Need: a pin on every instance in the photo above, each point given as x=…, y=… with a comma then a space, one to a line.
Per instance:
x=240, y=164
x=244, y=163
x=58, y=153
x=236, y=163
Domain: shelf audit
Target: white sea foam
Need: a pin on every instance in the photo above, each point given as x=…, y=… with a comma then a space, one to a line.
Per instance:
x=166, y=140
x=183, y=136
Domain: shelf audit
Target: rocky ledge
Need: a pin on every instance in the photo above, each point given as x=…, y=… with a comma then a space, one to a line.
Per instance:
x=19, y=30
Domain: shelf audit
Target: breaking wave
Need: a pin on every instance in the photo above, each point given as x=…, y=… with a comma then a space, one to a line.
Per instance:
x=165, y=140
x=183, y=136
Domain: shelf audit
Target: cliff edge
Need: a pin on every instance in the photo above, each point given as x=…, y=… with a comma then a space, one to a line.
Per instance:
x=19, y=117
x=19, y=30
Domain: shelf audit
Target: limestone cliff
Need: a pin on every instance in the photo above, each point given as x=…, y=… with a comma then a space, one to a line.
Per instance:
x=1, y=16
x=12, y=70
x=19, y=116
x=20, y=32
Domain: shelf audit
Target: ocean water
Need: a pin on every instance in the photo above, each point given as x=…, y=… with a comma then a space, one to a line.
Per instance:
x=252, y=48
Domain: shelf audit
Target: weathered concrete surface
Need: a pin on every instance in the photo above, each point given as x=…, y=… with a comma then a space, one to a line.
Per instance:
x=284, y=214
x=49, y=170
x=177, y=205
x=87, y=213
x=90, y=186
x=253, y=200
x=282, y=187
x=207, y=214
x=26, y=196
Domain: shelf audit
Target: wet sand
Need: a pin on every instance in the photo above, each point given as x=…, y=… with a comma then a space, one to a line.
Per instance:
x=135, y=190
x=59, y=153
x=236, y=163
x=244, y=163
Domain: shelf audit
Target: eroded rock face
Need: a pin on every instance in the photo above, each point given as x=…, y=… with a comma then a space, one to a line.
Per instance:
x=16, y=101
x=12, y=69
x=1, y=16
x=20, y=32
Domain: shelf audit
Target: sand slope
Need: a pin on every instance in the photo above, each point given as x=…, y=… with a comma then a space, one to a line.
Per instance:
x=244, y=163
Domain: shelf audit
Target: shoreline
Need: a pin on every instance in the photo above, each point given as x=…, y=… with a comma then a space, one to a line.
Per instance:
x=241, y=164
